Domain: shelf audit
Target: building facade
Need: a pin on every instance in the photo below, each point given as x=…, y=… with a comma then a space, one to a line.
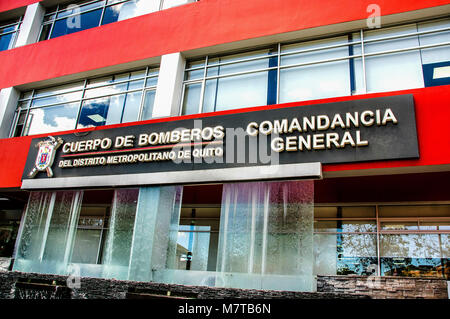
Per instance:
x=240, y=144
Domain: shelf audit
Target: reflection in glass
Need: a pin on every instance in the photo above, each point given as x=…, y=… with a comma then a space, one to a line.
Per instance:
x=417, y=255
x=52, y=119
x=77, y=23
x=102, y=111
x=198, y=239
x=130, y=9
x=344, y=254
x=191, y=98
x=91, y=226
x=6, y=41
x=147, y=109
x=131, y=108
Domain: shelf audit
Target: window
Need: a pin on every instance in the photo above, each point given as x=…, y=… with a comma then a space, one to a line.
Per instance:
x=435, y=59
x=345, y=240
x=391, y=240
x=415, y=241
x=81, y=15
x=395, y=58
x=197, y=241
x=92, y=226
x=8, y=34
x=114, y=99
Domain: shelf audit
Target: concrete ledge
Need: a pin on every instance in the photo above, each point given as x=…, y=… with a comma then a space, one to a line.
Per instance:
x=234, y=174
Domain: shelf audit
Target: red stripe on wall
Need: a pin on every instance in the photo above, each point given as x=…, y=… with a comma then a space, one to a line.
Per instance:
x=432, y=106
x=6, y=5
x=192, y=26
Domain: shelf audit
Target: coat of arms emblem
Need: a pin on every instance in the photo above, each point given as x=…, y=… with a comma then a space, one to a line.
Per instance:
x=46, y=156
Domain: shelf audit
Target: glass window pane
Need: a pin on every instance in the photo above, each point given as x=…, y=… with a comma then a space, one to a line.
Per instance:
x=153, y=81
x=107, y=90
x=20, y=124
x=99, y=81
x=153, y=71
x=85, y=250
x=417, y=255
x=59, y=89
x=79, y=8
x=149, y=101
x=191, y=98
x=77, y=23
x=91, y=226
x=121, y=77
x=137, y=74
x=172, y=3
x=241, y=66
x=345, y=254
x=317, y=81
x=103, y=111
x=23, y=105
x=26, y=95
x=434, y=225
x=57, y=99
x=236, y=92
x=127, y=10
x=195, y=64
x=438, y=54
x=8, y=29
x=318, y=55
x=132, y=107
x=49, y=17
x=6, y=41
x=45, y=32
x=195, y=74
x=135, y=85
x=397, y=71
x=52, y=119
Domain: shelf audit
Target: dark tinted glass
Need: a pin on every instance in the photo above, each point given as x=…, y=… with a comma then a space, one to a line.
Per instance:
x=45, y=32
x=5, y=41
x=77, y=23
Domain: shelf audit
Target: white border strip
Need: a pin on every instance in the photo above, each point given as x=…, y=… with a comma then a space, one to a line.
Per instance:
x=235, y=174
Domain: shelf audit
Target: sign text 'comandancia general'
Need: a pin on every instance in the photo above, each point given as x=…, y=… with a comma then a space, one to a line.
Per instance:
x=341, y=132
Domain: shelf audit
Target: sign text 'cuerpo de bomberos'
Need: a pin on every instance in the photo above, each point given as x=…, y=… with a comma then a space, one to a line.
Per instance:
x=341, y=132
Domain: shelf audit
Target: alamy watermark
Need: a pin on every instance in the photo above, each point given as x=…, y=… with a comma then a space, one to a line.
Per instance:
x=374, y=19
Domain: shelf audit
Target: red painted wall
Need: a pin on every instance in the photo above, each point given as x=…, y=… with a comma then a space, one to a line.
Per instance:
x=432, y=107
x=6, y=5
x=196, y=25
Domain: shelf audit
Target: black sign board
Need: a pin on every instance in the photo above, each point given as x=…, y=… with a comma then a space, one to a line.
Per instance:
x=382, y=128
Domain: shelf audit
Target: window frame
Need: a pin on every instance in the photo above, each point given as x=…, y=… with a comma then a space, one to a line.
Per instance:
x=351, y=44
x=55, y=11
x=149, y=73
x=15, y=32
x=379, y=219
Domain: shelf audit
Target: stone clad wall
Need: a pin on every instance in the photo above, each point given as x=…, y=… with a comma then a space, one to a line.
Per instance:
x=385, y=287
x=13, y=285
